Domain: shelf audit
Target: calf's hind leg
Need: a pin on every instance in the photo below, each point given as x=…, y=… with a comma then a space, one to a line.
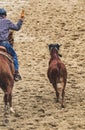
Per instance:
x=57, y=93
x=63, y=94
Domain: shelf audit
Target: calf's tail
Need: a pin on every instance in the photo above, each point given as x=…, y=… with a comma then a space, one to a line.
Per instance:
x=55, y=74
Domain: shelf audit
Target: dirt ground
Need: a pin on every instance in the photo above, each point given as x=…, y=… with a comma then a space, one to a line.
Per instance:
x=34, y=100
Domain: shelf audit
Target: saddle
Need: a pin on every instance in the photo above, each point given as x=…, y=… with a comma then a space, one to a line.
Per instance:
x=3, y=52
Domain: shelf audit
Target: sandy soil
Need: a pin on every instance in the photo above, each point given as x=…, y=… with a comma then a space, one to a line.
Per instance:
x=47, y=21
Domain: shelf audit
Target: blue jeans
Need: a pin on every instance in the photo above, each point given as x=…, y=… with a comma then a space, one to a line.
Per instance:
x=11, y=51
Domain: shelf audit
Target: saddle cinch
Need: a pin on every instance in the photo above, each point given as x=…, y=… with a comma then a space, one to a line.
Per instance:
x=3, y=52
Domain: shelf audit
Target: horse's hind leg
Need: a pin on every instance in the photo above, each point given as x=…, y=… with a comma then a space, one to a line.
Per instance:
x=9, y=90
x=10, y=103
x=6, y=101
x=10, y=100
x=6, y=109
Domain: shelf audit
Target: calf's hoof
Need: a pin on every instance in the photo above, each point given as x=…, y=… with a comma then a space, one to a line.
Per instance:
x=62, y=106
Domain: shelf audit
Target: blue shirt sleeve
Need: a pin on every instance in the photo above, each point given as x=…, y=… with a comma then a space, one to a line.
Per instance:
x=15, y=26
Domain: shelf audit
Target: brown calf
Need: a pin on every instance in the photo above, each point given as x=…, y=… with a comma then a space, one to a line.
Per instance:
x=57, y=73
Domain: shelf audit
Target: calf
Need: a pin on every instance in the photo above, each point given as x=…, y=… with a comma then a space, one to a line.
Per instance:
x=57, y=73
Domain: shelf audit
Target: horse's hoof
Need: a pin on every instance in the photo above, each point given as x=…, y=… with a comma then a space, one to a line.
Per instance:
x=11, y=110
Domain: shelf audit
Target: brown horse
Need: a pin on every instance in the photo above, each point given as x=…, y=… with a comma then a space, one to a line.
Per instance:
x=57, y=72
x=6, y=77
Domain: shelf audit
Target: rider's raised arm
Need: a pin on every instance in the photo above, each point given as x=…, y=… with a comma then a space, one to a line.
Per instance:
x=19, y=23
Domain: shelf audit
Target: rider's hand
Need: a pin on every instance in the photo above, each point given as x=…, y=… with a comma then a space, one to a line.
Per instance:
x=22, y=15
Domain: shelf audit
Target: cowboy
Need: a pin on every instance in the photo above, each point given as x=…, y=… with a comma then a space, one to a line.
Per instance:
x=5, y=26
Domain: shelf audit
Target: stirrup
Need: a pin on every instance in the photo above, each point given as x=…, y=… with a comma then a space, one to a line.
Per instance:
x=17, y=77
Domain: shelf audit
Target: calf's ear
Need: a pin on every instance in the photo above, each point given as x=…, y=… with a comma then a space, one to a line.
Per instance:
x=59, y=45
x=50, y=46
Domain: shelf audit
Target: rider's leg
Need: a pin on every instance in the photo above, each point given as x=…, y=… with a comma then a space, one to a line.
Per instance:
x=16, y=65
